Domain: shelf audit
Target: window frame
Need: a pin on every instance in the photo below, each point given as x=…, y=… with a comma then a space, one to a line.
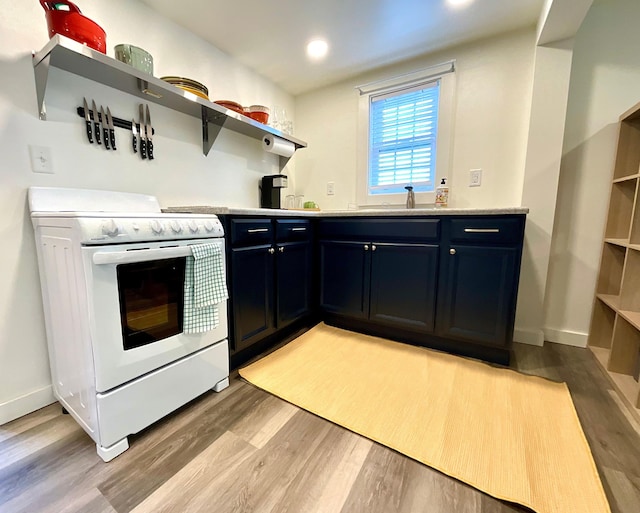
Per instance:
x=444, y=141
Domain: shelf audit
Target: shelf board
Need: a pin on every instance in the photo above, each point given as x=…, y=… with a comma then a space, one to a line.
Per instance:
x=68, y=55
x=618, y=242
x=601, y=354
x=627, y=387
x=610, y=300
x=613, y=302
x=626, y=178
x=632, y=318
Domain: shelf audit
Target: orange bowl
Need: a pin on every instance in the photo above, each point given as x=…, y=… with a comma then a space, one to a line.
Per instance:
x=228, y=104
x=260, y=117
x=258, y=112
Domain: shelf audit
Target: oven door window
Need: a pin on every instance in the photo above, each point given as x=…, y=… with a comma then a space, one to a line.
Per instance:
x=151, y=300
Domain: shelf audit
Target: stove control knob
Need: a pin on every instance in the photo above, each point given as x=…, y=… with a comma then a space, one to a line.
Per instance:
x=175, y=226
x=193, y=226
x=110, y=228
x=156, y=227
x=209, y=226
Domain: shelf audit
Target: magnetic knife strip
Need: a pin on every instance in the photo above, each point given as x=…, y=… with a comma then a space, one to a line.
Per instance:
x=119, y=122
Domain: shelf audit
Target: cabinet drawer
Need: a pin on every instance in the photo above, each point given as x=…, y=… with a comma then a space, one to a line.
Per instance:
x=292, y=229
x=490, y=230
x=419, y=230
x=247, y=232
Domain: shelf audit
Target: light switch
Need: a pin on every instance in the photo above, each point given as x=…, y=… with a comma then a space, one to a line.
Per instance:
x=331, y=188
x=41, y=159
x=475, y=178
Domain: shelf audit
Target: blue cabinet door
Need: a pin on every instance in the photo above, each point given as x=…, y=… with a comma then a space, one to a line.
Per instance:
x=294, y=281
x=344, y=282
x=403, y=285
x=478, y=293
x=252, y=285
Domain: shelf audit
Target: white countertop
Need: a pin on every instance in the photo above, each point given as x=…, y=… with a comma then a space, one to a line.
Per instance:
x=446, y=211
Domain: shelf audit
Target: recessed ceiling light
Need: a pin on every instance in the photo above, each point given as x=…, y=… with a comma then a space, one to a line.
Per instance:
x=458, y=3
x=317, y=49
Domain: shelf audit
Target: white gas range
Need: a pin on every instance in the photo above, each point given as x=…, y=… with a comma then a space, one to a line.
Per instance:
x=115, y=272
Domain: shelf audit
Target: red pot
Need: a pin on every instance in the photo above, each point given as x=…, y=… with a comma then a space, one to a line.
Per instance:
x=74, y=25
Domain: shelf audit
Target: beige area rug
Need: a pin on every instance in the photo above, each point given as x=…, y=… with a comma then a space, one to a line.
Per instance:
x=515, y=437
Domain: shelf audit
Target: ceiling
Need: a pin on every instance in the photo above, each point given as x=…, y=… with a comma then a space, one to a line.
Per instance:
x=270, y=37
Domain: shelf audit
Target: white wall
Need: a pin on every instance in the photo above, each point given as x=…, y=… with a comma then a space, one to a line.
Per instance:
x=494, y=81
x=180, y=174
x=605, y=82
x=542, y=169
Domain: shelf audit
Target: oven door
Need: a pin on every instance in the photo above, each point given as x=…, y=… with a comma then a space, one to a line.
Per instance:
x=136, y=303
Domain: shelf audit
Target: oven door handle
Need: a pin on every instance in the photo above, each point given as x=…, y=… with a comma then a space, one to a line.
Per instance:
x=140, y=255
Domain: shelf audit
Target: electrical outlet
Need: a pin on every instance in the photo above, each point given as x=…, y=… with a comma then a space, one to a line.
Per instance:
x=475, y=178
x=41, y=159
x=331, y=188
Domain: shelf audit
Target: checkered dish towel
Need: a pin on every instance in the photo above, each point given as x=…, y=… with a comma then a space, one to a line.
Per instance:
x=204, y=288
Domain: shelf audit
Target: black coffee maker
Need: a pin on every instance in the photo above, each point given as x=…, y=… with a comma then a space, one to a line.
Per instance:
x=270, y=190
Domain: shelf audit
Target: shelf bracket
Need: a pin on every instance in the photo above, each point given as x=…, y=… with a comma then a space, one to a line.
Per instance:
x=42, y=75
x=283, y=162
x=211, y=126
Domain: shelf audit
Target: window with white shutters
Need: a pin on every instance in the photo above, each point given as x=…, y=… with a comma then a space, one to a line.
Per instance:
x=403, y=128
x=405, y=136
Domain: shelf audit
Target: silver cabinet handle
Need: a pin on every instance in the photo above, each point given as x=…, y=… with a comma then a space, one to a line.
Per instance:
x=373, y=247
x=281, y=249
x=366, y=247
x=298, y=229
x=258, y=230
x=271, y=251
x=452, y=251
x=482, y=230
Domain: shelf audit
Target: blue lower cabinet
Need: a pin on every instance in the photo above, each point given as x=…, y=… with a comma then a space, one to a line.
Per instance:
x=403, y=285
x=392, y=284
x=449, y=282
x=252, y=289
x=478, y=294
x=294, y=262
x=271, y=281
x=344, y=278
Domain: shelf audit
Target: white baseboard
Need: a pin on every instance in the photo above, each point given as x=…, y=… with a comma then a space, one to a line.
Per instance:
x=531, y=337
x=28, y=403
x=566, y=337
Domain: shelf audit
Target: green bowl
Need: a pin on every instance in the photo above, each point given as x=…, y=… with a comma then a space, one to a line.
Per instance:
x=134, y=56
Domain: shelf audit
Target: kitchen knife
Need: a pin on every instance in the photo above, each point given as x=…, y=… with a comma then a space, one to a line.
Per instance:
x=105, y=128
x=112, y=131
x=149, y=130
x=143, y=134
x=87, y=120
x=96, y=121
x=134, y=133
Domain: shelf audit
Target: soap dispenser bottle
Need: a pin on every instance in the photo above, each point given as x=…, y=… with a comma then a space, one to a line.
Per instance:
x=442, y=194
x=411, y=198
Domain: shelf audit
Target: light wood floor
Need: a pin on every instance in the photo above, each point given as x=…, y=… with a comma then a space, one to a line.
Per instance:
x=244, y=450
